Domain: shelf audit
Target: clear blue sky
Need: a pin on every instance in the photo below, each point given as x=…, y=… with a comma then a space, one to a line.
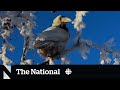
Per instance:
x=100, y=26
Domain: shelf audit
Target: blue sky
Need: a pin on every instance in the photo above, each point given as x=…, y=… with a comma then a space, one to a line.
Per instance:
x=100, y=26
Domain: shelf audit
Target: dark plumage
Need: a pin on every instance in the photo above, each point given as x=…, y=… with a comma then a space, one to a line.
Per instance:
x=52, y=41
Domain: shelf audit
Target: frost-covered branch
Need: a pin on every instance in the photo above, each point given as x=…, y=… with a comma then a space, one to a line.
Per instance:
x=26, y=32
x=84, y=45
x=78, y=21
x=5, y=31
x=23, y=20
x=78, y=25
x=3, y=57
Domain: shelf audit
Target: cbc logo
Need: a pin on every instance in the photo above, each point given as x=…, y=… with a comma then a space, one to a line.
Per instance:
x=68, y=71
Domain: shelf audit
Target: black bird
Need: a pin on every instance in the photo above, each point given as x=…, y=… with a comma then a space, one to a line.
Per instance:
x=52, y=41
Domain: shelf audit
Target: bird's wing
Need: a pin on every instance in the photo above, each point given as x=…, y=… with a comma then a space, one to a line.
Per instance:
x=54, y=34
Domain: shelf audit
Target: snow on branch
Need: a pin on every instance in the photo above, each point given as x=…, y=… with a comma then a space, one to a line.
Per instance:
x=78, y=25
x=3, y=57
x=78, y=21
x=84, y=45
x=24, y=21
x=5, y=31
x=26, y=32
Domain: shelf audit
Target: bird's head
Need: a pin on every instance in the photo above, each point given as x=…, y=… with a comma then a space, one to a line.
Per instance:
x=61, y=21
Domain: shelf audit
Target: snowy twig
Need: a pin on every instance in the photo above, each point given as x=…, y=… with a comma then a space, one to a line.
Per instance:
x=26, y=31
x=5, y=60
x=6, y=29
x=78, y=25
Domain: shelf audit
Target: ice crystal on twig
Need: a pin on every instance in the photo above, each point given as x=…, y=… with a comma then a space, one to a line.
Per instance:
x=65, y=60
x=78, y=22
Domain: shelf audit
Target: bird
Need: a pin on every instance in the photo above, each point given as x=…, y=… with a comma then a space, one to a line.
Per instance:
x=52, y=41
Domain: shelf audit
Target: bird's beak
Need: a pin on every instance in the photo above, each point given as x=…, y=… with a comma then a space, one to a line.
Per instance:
x=65, y=19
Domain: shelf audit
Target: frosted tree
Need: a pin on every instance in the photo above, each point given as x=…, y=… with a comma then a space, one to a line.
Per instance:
x=24, y=21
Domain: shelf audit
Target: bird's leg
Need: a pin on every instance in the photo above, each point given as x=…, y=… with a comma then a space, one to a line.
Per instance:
x=49, y=59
